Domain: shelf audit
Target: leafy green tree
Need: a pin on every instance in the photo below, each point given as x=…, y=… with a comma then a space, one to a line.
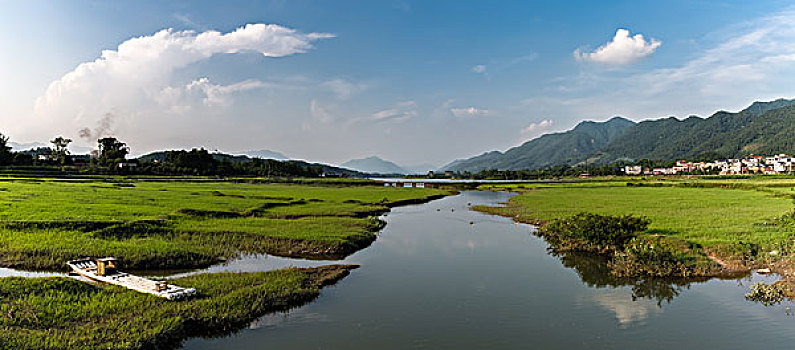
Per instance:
x=112, y=151
x=6, y=157
x=60, y=150
x=198, y=161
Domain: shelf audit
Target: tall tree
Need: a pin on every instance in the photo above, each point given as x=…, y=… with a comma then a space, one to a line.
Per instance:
x=60, y=150
x=112, y=151
x=6, y=157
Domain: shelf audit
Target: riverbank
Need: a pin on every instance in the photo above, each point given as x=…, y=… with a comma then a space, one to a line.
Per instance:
x=736, y=224
x=64, y=313
x=157, y=223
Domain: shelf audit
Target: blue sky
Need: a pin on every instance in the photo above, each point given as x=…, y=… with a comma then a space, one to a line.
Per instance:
x=410, y=81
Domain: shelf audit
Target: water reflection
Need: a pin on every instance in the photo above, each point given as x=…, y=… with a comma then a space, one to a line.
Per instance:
x=593, y=271
x=7, y=272
x=627, y=309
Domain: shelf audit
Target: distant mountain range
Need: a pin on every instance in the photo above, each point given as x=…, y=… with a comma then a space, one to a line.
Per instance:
x=762, y=128
x=265, y=154
x=374, y=165
x=16, y=146
x=74, y=149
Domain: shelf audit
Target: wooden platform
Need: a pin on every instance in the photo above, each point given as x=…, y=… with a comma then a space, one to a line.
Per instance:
x=104, y=270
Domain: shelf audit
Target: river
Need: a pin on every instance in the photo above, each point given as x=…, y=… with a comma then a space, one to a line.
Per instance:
x=441, y=276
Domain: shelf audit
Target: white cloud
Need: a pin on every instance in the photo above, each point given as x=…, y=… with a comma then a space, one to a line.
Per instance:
x=344, y=89
x=400, y=112
x=469, y=111
x=393, y=114
x=218, y=95
x=480, y=69
x=186, y=20
x=134, y=80
x=182, y=99
x=321, y=114
x=622, y=50
x=535, y=129
x=523, y=59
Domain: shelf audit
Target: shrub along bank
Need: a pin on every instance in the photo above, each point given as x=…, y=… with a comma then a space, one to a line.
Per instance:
x=629, y=253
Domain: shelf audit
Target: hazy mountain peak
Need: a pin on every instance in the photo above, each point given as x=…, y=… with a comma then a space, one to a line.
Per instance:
x=375, y=165
x=265, y=154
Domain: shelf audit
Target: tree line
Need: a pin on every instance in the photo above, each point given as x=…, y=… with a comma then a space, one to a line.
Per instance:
x=565, y=170
x=111, y=152
x=111, y=157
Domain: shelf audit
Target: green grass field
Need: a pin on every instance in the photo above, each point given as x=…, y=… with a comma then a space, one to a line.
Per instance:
x=167, y=223
x=723, y=216
x=62, y=313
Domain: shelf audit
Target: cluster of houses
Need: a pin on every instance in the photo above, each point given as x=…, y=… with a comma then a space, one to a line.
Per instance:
x=778, y=164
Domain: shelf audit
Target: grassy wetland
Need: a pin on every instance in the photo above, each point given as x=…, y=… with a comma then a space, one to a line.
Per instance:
x=168, y=223
x=708, y=225
x=163, y=223
x=64, y=313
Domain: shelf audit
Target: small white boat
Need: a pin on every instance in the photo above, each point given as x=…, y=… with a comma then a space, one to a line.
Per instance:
x=104, y=270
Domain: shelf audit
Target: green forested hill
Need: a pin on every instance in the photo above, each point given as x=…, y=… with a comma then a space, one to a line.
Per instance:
x=571, y=146
x=762, y=128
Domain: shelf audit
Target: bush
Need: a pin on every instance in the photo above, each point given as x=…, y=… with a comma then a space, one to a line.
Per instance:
x=657, y=256
x=661, y=256
x=653, y=250
x=767, y=294
x=593, y=232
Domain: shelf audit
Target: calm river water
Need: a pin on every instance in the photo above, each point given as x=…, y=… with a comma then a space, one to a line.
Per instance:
x=432, y=280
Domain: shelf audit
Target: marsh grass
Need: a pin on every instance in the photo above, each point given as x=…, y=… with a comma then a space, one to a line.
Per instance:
x=63, y=313
x=153, y=222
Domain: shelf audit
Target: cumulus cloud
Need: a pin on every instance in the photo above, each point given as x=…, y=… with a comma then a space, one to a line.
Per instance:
x=134, y=80
x=469, y=111
x=535, y=128
x=211, y=95
x=622, y=50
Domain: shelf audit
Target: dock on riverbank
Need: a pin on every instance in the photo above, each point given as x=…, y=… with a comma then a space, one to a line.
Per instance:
x=104, y=270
